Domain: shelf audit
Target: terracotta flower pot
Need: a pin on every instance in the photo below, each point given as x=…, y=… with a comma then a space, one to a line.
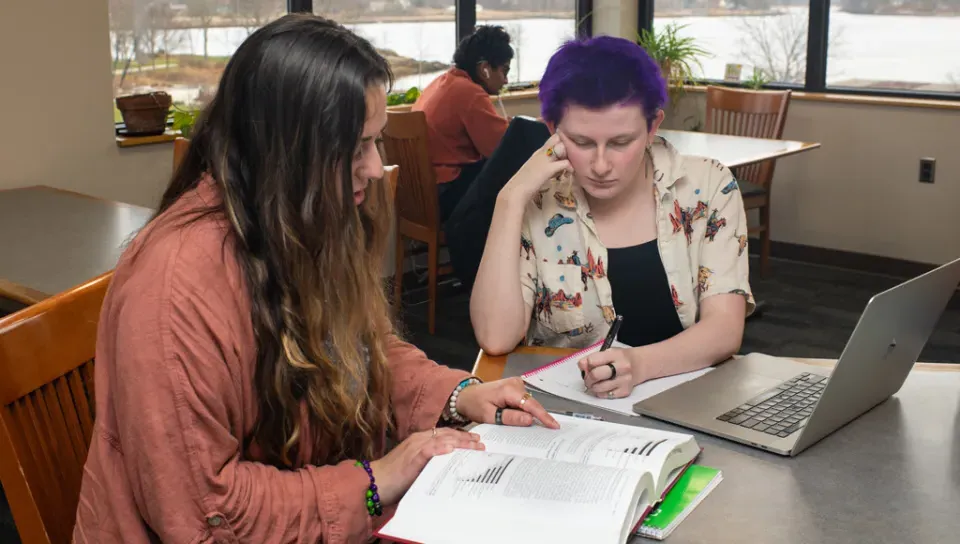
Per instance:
x=145, y=114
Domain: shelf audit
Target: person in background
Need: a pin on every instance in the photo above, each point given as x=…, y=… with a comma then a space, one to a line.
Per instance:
x=608, y=219
x=464, y=127
x=249, y=383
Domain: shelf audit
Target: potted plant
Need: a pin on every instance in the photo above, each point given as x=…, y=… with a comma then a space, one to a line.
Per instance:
x=184, y=120
x=146, y=113
x=676, y=55
x=409, y=97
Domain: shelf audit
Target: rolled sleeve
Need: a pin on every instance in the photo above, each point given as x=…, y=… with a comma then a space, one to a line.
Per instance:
x=421, y=387
x=724, y=260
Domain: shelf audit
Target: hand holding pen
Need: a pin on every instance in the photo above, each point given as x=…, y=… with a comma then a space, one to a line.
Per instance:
x=609, y=372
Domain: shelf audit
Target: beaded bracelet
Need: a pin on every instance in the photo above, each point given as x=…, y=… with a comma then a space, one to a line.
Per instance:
x=373, y=498
x=451, y=415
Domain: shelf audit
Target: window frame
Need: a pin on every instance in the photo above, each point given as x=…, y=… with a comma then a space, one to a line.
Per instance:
x=815, y=80
x=466, y=22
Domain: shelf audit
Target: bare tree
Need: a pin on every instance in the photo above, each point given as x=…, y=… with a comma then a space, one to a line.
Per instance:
x=256, y=13
x=204, y=12
x=777, y=44
x=516, y=36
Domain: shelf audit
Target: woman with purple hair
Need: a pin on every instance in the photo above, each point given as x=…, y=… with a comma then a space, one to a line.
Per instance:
x=613, y=221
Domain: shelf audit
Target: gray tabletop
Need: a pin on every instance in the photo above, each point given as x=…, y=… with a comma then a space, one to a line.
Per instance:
x=892, y=475
x=52, y=240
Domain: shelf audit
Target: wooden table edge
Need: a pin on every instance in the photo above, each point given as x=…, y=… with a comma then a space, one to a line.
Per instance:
x=804, y=146
x=490, y=367
x=20, y=293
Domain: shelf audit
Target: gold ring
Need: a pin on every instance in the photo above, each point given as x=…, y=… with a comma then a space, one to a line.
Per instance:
x=524, y=398
x=549, y=151
x=609, y=394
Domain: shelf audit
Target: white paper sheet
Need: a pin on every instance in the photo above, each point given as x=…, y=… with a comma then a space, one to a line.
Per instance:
x=564, y=380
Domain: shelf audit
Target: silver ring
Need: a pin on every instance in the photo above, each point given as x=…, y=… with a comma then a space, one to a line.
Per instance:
x=609, y=394
x=434, y=432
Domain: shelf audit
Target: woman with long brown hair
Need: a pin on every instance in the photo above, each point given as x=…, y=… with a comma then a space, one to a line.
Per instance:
x=250, y=386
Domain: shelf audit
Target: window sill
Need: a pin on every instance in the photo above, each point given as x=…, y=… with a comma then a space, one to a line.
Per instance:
x=525, y=94
x=134, y=141
x=862, y=100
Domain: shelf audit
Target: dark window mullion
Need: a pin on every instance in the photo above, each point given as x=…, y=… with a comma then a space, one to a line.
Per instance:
x=583, y=17
x=466, y=18
x=818, y=37
x=296, y=6
x=644, y=16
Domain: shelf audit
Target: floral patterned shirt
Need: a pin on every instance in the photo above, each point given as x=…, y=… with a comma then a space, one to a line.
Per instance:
x=701, y=236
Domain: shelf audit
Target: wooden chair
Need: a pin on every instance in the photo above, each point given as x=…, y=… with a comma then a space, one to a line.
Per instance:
x=180, y=147
x=418, y=210
x=47, y=408
x=757, y=114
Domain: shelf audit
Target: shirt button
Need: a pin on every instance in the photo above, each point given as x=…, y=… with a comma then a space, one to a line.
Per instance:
x=214, y=521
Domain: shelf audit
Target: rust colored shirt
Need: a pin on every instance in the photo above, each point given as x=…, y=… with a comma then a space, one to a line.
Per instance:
x=463, y=126
x=175, y=396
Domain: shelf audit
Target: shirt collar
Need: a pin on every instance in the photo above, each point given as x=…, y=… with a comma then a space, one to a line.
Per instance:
x=667, y=164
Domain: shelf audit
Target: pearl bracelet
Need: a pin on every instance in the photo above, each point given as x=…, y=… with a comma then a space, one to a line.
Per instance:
x=451, y=415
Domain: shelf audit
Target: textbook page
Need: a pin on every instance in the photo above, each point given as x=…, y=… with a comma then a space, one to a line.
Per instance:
x=520, y=499
x=564, y=380
x=592, y=442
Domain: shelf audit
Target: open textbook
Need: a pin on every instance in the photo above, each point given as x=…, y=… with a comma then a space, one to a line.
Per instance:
x=562, y=378
x=590, y=481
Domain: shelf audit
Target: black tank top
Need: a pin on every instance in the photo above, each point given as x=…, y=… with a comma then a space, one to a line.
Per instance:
x=641, y=294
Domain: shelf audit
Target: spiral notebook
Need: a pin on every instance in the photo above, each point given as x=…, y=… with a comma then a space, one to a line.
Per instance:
x=562, y=378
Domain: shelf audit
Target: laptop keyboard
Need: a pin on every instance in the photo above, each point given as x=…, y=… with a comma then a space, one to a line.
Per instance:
x=781, y=410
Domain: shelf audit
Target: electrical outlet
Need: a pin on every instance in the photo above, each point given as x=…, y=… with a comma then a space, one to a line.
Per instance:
x=928, y=166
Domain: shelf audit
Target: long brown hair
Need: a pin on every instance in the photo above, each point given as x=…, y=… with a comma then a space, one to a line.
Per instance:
x=279, y=139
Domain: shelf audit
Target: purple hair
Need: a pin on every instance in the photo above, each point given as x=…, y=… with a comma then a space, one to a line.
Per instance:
x=600, y=72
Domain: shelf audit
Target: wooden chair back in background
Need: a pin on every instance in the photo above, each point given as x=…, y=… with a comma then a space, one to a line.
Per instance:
x=755, y=114
x=417, y=206
x=180, y=147
x=47, y=408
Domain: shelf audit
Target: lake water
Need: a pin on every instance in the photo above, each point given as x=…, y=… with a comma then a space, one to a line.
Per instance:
x=863, y=47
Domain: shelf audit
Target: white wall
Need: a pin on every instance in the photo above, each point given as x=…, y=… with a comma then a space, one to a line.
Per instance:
x=56, y=92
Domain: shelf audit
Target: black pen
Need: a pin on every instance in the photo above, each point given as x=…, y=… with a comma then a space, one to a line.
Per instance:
x=608, y=341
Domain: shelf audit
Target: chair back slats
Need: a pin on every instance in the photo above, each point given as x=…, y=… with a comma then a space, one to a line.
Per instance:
x=180, y=147
x=405, y=145
x=47, y=408
x=755, y=114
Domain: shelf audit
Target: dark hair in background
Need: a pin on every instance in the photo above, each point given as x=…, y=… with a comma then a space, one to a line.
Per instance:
x=601, y=72
x=488, y=42
x=279, y=140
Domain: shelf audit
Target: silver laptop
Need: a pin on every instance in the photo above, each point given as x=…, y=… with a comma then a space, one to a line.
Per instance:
x=784, y=406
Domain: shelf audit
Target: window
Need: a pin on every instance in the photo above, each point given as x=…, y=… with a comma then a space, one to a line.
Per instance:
x=874, y=47
x=180, y=46
x=744, y=39
x=905, y=45
x=417, y=37
x=536, y=27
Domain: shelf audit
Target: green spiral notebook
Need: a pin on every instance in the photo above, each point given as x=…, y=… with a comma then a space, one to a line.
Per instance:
x=691, y=488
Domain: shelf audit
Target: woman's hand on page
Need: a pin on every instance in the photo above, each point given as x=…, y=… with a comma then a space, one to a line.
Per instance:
x=611, y=383
x=397, y=470
x=547, y=162
x=480, y=402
